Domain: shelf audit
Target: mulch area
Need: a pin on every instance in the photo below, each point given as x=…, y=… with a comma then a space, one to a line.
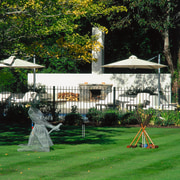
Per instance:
x=152, y=126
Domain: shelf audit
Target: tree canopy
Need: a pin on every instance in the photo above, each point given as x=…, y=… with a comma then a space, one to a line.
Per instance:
x=52, y=29
x=58, y=32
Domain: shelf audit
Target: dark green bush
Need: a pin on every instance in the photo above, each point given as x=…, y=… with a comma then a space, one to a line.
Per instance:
x=73, y=119
x=129, y=118
x=17, y=114
x=94, y=115
x=110, y=119
x=167, y=118
x=2, y=106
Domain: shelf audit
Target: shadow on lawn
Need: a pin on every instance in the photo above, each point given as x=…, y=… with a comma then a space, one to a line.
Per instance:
x=93, y=135
x=13, y=134
x=16, y=134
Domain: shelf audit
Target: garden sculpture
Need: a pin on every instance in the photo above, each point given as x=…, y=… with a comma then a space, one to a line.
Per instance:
x=39, y=139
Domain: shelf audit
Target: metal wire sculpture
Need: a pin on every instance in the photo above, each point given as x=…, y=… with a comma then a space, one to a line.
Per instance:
x=39, y=139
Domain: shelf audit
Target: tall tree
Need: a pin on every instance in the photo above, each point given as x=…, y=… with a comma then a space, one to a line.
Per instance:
x=57, y=30
x=150, y=14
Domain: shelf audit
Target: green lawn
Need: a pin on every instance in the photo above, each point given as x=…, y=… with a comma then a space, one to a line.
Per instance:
x=102, y=154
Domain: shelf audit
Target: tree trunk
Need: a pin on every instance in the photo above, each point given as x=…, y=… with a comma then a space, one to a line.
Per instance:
x=167, y=52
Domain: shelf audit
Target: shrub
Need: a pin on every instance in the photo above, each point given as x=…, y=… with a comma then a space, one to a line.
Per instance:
x=73, y=118
x=166, y=118
x=158, y=121
x=94, y=115
x=2, y=107
x=169, y=117
x=17, y=114
x=129, y=118
x=177, y=117
x=110, y=118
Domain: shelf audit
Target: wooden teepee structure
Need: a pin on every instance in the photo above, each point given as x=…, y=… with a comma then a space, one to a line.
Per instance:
x=143, y=120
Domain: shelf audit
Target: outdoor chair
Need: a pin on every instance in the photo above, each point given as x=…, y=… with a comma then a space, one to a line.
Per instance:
x=141, y=100
x=107, y=102
x=4, y=96
x=102, y=104
x=27, y=98
x=164, y=104
x=153, y=102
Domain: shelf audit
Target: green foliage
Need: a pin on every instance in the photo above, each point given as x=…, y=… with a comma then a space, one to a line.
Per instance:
x=155, y=116
x=148, y=14
x=129, y=118
x=7, y=80
x=13, y=80
x=167, y=118
x=2, y=107
x=6, y=77
x=142, y=30
x=170, y=118
x=53, y=29
x=17, y=115
x=110, y=118
x=94, y=115
x=164, y=118
x=61, y=65
x=73, y=118
x=143, y=116
x=158, y=122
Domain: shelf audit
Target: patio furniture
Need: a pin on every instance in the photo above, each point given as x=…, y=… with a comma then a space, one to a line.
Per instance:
x=169, y=106
x=164, y=104
x=141, y=100
x=4, y=96
x=107, y=102
x=27, y=98
x=124, y=99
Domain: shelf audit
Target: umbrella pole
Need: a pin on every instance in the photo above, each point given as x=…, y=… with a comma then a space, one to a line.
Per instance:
x=34, y=61
x=159, y=86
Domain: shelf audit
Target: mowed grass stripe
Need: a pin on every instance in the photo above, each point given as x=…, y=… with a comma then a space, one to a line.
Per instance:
x=97, y=164
x=119, y=166
x=98, y=160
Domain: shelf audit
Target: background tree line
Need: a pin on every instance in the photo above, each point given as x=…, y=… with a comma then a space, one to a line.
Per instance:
x=58, y=32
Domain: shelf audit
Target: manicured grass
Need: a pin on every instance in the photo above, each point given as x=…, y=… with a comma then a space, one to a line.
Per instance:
x=102, y=154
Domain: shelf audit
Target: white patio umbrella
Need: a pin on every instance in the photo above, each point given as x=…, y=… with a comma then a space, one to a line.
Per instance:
x=134, y=63
x=13, y=62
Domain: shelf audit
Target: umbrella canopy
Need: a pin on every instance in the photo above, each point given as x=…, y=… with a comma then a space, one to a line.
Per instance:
x=13, y=62
x=134, y=63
